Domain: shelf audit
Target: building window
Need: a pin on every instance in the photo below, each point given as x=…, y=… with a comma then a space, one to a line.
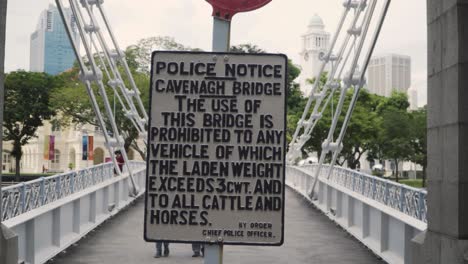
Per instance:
x=56, y=159
x=6, y=160
x=49, y=20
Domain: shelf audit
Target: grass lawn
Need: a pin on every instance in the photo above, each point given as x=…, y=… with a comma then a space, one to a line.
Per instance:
x=413, y=183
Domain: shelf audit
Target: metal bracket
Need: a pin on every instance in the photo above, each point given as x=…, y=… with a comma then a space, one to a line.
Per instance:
x=91, y=2
x=354, y=4
x=355, y=31
x=91, y=28
x=90, y=76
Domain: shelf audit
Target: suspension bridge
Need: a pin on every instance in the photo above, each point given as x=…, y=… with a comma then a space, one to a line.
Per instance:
x=88, y=216
x=333, y=214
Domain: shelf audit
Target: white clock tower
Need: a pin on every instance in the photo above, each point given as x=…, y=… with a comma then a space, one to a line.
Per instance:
x=314, y=41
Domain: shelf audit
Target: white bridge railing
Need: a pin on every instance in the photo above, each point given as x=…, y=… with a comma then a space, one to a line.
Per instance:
x=23, y=197
x=50, y=214
x=382, y=214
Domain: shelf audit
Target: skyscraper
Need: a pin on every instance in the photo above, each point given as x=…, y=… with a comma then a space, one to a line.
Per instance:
x=413, y=98
x=51, y=50
x=389, y=72
x=315, y=41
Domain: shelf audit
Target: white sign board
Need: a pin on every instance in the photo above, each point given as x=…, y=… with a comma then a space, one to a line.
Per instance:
x=216, y=148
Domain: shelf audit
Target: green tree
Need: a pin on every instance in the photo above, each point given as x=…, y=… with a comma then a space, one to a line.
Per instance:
x=246, y=48
x=419, y=139
x=395, y=135
x=320, y=132
x=139, y=55
x=27, y=97
x=362, y=130
x=295, y=100
x=71, y=100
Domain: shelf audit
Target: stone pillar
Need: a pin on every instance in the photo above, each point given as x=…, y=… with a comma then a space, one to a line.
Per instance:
x=8, y=239
x=446, y=240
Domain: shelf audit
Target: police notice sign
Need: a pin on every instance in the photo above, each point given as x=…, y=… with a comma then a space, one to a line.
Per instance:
x=216, y=148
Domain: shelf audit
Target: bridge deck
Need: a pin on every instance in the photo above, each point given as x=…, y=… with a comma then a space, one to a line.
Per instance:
x=310, y=237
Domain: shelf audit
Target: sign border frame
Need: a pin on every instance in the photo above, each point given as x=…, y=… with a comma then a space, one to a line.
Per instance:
x=286, y=94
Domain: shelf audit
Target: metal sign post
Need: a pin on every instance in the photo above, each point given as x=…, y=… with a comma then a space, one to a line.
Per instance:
x=221, y=43
x=216, y=163
x=221, y=35
x=216, y=145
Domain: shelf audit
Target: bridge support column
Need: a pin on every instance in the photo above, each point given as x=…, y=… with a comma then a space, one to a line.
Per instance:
x=8, y=239
x=8, y=246
x=446, y=240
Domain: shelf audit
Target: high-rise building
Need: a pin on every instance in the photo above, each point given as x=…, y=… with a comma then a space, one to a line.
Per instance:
x=387, y=73
x=413, y=98
x=315, y=41
x=51, y=50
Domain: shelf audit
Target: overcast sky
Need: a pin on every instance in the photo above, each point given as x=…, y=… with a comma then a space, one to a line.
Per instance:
x=276, y=28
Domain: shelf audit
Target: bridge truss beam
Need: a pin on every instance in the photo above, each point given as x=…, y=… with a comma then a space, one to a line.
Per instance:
x=100, y=60
x=345, y=74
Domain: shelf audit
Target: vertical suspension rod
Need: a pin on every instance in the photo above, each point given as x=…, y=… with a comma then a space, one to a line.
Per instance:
x=356, y=92
x=113, y=67
x=126, y=68
x=108, y=109
x=317, y=80
x=350, y=76
x=84, y=72
x=307, y=130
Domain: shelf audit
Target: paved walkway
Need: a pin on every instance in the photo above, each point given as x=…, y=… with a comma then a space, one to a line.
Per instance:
x=310, y=238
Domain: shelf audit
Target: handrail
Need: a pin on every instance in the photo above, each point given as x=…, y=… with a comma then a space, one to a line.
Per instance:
x=23, y=197
x=408, y=200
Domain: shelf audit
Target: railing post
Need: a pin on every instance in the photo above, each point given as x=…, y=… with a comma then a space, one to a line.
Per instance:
x=386, y=193
x=58, y=187
x=23, y=197
x=402, y=199
x=42, y=195
x=72, y=182
x=363, y=184
x=421, y=207
x=93, y=175
x=101, y=173
x=374, y=188
x=354, y=182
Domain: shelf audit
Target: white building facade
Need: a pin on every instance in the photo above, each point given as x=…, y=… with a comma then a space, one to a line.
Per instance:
x=315, y=41
x=68, y=150
x=389, y=72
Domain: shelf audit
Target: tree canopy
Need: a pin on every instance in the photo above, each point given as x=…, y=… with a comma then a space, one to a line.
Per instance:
x=139, y=55
x=381, y=127
x=27, y=96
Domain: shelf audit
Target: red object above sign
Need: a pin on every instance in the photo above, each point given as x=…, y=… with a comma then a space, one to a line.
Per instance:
x=226, y=9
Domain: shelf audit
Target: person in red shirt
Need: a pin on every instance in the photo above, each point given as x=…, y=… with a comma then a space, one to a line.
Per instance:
x=120, y=160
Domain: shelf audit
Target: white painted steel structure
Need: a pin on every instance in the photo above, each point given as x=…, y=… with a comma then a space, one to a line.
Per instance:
x=345, y=74
x=56, y=212
x=102, y=60
x=52, y=213
x=24, y=197
x=383, y=215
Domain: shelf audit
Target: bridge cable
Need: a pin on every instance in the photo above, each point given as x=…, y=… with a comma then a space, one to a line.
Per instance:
x=107, y=61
